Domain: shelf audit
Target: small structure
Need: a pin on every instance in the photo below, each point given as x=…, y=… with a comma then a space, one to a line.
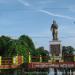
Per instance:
x=55, y=44
x=10, y=65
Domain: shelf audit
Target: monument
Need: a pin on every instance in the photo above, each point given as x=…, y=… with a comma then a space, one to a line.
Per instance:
x=55, y=44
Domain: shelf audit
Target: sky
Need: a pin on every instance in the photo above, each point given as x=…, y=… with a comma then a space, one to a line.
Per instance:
x=34, y=18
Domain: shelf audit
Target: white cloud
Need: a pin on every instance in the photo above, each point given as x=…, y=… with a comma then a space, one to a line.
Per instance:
x=24, y=3
x=46, y=12
x=57, y=15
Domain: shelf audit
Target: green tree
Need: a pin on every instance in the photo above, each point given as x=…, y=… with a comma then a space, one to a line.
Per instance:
x=21, y=46
x=41, y=51
x=28, y=43
x=44, y=53
x=12, y=51
x=4, y=45
x=68, y=52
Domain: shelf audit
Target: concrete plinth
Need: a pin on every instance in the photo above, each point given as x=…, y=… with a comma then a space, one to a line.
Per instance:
x=55, y=50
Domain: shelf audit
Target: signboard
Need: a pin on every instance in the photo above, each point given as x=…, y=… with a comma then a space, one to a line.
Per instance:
x=52, y=65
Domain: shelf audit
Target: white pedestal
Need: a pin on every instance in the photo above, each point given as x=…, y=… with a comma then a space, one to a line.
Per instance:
x=55, y=50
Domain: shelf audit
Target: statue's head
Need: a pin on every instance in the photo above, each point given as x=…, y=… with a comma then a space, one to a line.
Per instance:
x=54, y=22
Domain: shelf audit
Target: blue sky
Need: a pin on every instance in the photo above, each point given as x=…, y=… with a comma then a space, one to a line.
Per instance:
x=34, y=18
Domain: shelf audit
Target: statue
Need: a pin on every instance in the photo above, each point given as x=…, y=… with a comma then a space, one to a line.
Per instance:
x=54, y=29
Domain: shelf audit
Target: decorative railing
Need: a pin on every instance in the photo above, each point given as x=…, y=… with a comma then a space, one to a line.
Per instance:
x=11, y=60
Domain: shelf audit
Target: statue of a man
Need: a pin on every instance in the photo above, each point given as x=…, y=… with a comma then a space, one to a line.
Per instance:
x=54, y=29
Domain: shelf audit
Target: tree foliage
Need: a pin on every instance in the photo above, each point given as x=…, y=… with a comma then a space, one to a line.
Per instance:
x=28, y=43
x=44, y=53
x=41, y=51
x=4, y=40
x=68, y=52
x=11, y=47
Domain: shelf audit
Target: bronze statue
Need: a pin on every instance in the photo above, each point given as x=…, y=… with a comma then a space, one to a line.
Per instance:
x=54, y=29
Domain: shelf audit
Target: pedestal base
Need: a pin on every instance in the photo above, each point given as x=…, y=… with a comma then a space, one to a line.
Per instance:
x=56, y=50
